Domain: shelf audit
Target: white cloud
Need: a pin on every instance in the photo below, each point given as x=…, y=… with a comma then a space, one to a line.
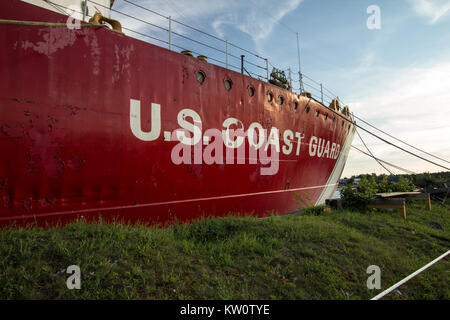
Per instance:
x=413, y=105
x=431, y=9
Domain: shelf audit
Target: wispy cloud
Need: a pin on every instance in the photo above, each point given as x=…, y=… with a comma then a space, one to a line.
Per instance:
x=256, y=18
x=431, y=9
x=262, y=16
x=193, y=13
x=223, y=20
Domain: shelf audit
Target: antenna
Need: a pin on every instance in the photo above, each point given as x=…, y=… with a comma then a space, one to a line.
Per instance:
x=299, y=66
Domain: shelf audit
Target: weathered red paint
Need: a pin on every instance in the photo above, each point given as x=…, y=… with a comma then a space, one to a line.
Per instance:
x=67, y=150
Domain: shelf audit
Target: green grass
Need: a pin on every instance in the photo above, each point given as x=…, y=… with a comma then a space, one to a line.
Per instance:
x=295, y=257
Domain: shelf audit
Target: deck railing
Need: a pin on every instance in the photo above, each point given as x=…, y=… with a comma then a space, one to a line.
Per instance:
x=218, y=51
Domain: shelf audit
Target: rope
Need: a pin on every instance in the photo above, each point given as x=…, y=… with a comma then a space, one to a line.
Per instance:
x=372, y=153
x=389, y=164
x=398, y=284
x=145, y=35
x=180, y=35
x=400, y=140
x=198, y=30
x=390, y=143
x=394, y=145
x=249, y=73
x=389, y=135
x=47, y=24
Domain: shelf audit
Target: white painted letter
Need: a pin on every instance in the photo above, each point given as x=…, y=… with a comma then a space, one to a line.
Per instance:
x=288, y=135
x=273, y=139
x=312, y=146
x=299, y=142
x=135, y=121
x=195, y=128
x=226, y=133
x=251, y=137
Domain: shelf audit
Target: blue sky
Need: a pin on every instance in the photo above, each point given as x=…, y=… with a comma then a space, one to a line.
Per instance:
x=396, y=77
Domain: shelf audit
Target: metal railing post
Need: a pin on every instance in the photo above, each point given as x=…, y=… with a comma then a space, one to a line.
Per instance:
x=300, y=78
x=226, y=53
x=85, y=10
x=321, y=92
x=290, y=78
x=242, y=63
x=170, y=33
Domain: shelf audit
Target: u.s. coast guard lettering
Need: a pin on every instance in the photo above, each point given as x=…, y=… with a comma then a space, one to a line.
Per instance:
x=264, y=145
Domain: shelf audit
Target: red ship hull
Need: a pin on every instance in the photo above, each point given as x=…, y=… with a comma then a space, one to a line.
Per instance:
x=68, y=149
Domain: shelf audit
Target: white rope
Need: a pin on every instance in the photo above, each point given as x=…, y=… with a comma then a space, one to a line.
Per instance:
x=398, y=284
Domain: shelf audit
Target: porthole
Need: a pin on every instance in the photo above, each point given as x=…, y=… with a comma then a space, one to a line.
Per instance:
x=200, y=76
x=342, y=124
x=307, y=109
x=326, y=116
x=281, y=100
x=228, y=84
x=334, y=119
x=251, y=91
x=296, y=106
x=317, y=113
x=270, y=97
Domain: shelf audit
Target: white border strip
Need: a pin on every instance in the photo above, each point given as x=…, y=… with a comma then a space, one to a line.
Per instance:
x=398, y=284
x=103, y=209
x=333, y=180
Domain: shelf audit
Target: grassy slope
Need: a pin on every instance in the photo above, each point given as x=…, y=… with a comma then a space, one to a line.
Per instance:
x=297, y=257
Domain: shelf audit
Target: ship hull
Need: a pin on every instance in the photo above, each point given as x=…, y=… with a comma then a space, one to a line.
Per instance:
x=79, y=117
